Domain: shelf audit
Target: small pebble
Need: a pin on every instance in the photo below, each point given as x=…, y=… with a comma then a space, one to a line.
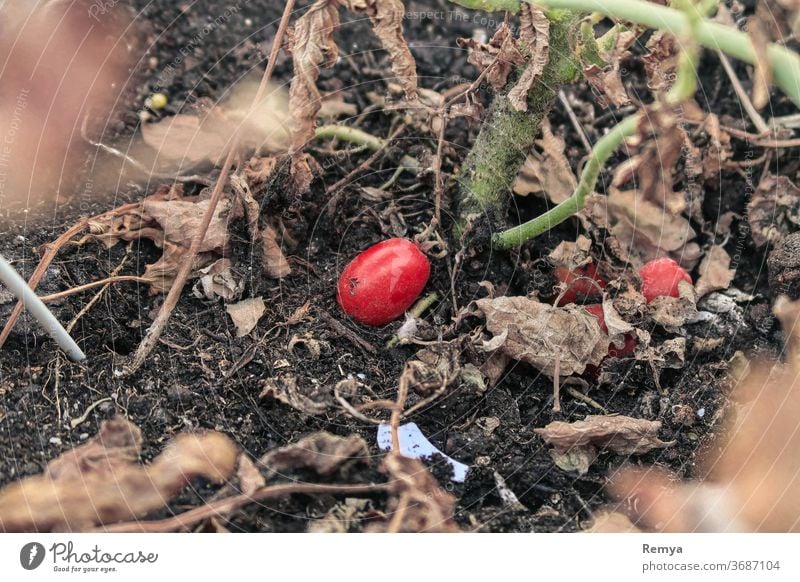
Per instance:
x=55, y=441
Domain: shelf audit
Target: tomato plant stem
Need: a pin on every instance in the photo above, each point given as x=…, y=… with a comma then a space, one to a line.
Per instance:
x=602, y=150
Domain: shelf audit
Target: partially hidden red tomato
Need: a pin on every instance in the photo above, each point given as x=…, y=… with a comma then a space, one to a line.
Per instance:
x=381, y=283
x=583, y=282
x=660, y=278
x=630, y=339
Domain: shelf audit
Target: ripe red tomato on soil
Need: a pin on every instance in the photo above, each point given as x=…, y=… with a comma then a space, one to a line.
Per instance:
x=381, y=283
x=630, y=339
x=660, y=278
x=583, y=282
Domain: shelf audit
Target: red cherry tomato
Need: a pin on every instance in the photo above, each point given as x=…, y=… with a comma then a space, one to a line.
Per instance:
x=381, y=283
x=583, y=282
x=660, y=278
x=630, y=339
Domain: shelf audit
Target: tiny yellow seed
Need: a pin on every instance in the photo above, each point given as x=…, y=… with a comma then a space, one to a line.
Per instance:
x=158, y=101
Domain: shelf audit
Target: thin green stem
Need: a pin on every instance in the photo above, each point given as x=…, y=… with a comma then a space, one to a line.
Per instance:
x=350, y=135
x=785, y=64
x=362, y=138
x=603, y=150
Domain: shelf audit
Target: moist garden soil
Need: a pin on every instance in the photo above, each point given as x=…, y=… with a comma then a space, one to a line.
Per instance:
x=186, y=383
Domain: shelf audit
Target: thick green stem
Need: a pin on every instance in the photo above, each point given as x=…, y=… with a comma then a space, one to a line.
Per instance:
x=507, y=134
x=602, y=150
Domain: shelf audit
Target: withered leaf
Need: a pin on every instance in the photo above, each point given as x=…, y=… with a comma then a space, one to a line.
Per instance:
x=245, y=314
x=548, y=172
x=606, y=521
x=648, y=231
x=387, y=24
x=534, y=36
x=429, y=508
x=538, y=333
x=715, y=271
x=82, y=490
x=250, y=477
x=774, y=209
x=619, y=434
x=322, y=452
x=172, y=221
x=496, y=59
x=273, y=260
x=286, y=390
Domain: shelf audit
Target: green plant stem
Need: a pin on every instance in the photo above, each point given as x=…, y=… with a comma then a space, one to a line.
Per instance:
x=507, y=135
x=785, y=64
x=602, y=150
x=350, y=135
x=362, y=138
x=416, y=311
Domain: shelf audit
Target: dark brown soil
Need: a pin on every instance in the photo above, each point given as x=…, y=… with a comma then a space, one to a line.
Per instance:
x=184, y=383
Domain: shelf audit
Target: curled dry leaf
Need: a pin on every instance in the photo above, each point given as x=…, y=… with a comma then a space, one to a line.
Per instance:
x=218, y=280
x=172, y=220
x=273, y=260
x=418, y=504
x=606, y=80
x=387, y=24
x=99, y=483
x=548, y=173
x=647, y=232
x=245, y=314
x=715, y=271
x=313, y=46
x=538, y=333
x=286, y=390
x=581, y=440
x=321, y=452
x=661, y=61
x=673, y=312
x=534, y=37
x=774, y=210
x=572, y=255
x=496, y=59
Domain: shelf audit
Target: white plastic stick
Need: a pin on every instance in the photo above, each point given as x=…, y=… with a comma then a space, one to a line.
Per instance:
x=17, y=285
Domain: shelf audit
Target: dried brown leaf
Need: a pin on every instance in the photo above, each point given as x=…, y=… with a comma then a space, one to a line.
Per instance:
x=322, y=452
x=250, y=477
x=245, y=314
x=619, y=434
x=286, y=390
x=273, y=261
x=647, y=231
x=496, y=59
x=715, y=271
x=534, y=37
x=773, y=210
x=82, y=489
x=418, y=504
x=312, y=47
x=548, y=173
x=538, y=333
x=387, y=24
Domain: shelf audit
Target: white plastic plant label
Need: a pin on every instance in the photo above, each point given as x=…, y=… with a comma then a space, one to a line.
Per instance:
x=416, y=445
